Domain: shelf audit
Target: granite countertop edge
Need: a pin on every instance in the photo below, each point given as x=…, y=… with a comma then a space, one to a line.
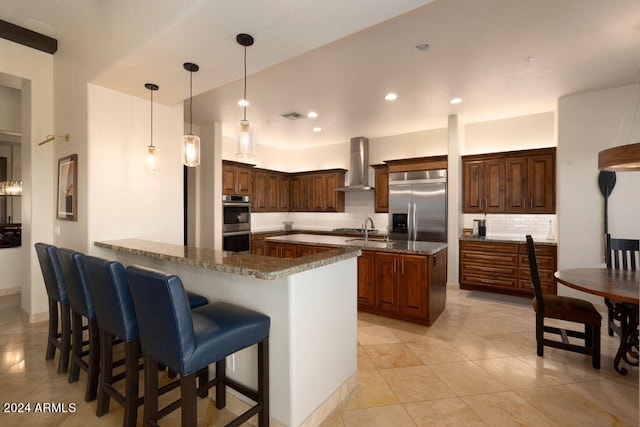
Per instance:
x=257, y=266
x=508, y=239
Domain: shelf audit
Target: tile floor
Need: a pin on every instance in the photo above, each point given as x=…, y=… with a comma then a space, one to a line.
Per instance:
x=476, y=366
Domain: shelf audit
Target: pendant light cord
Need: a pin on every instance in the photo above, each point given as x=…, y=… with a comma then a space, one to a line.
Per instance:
x=190, y=102
x=626, y=109
x=151, y=118
x=244, y=107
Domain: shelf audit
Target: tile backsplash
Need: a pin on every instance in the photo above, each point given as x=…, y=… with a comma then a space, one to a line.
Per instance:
x=539, y=226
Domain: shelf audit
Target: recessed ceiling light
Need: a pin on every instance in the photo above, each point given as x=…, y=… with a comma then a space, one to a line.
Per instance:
x=529, y=59
x=420, y=47
x=40, y=27
x=391, y=96
x=312, y=114
x=317, y=129
x=455, y=101
x=243, y=103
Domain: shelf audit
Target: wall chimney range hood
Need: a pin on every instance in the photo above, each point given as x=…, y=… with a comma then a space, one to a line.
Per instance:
x=358, y=166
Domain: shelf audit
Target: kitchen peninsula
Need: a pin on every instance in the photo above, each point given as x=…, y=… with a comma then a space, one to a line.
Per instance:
x=401, y=279
x=312, y=305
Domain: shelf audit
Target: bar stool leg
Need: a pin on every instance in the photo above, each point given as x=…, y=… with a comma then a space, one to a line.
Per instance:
x=63, y=365
x=221, y=391
x=132, y=369
x=106, y=372
x=94, y=361
x=53, y=329
x=76, y=347
x=189, y=404
x=150, y=390
x=263, y=382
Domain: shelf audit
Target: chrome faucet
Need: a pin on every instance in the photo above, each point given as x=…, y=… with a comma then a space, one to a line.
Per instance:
x=366, y=230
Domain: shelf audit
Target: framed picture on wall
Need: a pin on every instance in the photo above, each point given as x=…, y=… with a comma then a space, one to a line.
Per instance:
x=68, y=188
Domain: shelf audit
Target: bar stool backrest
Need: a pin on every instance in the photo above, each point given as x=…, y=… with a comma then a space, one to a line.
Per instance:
x=164, y=317
x=52, y=272
x=80, y=298
x=112, y=297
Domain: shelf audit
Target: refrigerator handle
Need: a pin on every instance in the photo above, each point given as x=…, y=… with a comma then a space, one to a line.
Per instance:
x=415, y=225
x=409, y=222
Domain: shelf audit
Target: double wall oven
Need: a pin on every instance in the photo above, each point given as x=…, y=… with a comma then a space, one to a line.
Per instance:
x=236, y=223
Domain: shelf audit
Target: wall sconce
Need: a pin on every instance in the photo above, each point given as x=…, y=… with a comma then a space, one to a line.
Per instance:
x=152, y=162
x=67, y=137
x=191, y=142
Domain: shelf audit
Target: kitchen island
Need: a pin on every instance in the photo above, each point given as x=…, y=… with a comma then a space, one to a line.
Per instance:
x=401, y=279
x=312, y=305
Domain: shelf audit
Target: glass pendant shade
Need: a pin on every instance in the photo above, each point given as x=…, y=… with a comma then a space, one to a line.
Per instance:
x=245, y=139
x=152, y=161
x=191, y=150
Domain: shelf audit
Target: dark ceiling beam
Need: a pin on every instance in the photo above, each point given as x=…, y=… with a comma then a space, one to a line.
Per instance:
x=28, y=38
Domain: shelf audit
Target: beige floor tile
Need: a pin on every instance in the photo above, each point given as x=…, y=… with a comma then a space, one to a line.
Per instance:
x=364, y=361
x=416, y=383
x=436, y=350
x=619, y=399
x=444, y=413
x=467, y=378
x=477, y=348
x=516, y=374
x=385, y=356
x=514, y=344
x=372, y=390
x=376, y=334
x=507, y=408
x=568, y=408
x=384, y=416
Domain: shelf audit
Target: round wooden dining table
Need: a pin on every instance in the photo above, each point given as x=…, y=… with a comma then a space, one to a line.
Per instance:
x=618, y=285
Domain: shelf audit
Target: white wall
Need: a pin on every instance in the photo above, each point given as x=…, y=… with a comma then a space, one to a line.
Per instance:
x=587, y=124
x=126, y=200
x=417, y=144
x=35, y=69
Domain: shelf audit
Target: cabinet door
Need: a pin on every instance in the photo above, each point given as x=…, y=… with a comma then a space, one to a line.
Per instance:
x=228, y=180
x=283, y=193
x=413, y=285
x=243, y=181
x=382, y=190
x=294, y=194
x=259, y=249
x=494, y=181
x=273, y=250
x=304, y=250
x=330, y=194
x=472, y=186
x=319, y=198
x=272, y=192
x=366, y=279
x=542, y=188
x=516, y=194
x=259, y=196
x=288, y=251
x=387, y=295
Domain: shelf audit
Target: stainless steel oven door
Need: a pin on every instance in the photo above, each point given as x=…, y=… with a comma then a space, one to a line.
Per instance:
x=236, y=217
x=236, y=242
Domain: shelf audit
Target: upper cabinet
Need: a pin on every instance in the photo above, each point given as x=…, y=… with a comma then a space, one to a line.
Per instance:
x=381, y=188
x=315, y=191
x=270, y=191
x=510, y=182
x=236, y=178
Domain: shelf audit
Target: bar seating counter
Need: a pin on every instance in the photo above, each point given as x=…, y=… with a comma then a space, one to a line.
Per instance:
x=312, y=303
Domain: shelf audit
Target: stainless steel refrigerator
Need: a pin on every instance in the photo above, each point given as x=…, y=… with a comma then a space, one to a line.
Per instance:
x=418, y=205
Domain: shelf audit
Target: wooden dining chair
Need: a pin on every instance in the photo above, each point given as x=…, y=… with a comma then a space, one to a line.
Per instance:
x=565, y=308
x=619, y=254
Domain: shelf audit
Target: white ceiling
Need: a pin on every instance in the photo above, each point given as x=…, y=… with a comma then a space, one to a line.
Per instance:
x=339, y=58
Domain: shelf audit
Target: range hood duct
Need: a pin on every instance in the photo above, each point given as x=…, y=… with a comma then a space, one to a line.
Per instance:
x=359, y=166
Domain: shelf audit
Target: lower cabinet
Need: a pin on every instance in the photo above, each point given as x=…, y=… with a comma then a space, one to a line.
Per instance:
x=404, y=286
x=291, y=250
x=258, y=243
x=504, y=267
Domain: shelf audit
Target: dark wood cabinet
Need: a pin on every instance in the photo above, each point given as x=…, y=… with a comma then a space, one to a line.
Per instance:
x=509, y=182
x=236, y=178
x=366, y=279
x=315, y=191
x=387, y=287
x=258, y=243
x=281, y=250
x=412, y=279
x=270, y=191
x=381, y=188
x=504, y=267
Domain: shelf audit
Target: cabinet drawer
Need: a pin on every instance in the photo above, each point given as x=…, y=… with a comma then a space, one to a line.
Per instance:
x=468, y=278
x=541, y=250
x=544, y=262
x=489, y=246
x=489, y=258
x=490, y=271
x=546, y=276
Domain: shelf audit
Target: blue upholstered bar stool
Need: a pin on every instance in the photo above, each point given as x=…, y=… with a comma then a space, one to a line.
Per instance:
x=81, y=303
x=117, y=319
x=57, y=294
x=188, y=341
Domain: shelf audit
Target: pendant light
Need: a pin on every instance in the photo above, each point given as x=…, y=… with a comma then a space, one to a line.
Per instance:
x=191, y=142
x=152, y=162
x=623, y=157
x=245, y=131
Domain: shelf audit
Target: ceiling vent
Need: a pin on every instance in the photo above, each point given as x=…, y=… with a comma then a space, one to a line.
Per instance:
x=293, y=116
